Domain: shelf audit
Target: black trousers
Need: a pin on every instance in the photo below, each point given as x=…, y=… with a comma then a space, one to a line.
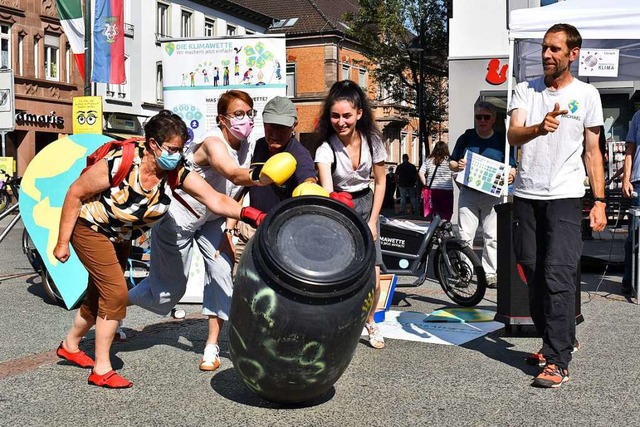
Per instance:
x=547, y=246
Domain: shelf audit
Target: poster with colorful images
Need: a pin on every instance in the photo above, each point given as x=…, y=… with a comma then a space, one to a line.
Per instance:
x=197, y=71
x=484, y=174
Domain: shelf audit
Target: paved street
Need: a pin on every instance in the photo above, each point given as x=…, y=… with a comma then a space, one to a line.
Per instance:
x=482, y=383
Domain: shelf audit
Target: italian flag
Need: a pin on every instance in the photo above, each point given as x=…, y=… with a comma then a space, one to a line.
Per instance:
x=70, y=12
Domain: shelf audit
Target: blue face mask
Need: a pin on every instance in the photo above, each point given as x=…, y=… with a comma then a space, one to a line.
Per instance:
x=168, y=161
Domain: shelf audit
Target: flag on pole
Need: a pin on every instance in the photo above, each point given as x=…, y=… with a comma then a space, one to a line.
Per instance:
x=108, y=42
x=70, y=13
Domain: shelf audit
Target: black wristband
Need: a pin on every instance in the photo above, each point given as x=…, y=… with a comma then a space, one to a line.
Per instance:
x=600, y=199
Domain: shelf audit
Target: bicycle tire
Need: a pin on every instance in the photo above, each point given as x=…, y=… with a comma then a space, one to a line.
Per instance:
x=5, y=201
x=50, y=288
x=31, y=252
x=52, y=291
x=463, y=289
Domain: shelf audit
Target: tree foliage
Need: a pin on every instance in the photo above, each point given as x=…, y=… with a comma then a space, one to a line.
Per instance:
x=389, y=31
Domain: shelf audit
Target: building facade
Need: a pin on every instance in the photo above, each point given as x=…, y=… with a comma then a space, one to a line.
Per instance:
x=46, y=77
x=320, y=53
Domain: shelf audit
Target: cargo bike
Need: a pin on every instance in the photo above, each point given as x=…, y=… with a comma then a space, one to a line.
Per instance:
x=406, y=249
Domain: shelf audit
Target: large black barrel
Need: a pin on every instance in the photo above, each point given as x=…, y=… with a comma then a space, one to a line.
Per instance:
x=302, y=292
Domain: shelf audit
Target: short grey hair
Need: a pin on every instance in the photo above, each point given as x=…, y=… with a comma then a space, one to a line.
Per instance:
x=484, y=105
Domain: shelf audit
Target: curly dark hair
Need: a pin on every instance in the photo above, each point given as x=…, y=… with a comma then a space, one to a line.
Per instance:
x=164, y=126
x=347, y=90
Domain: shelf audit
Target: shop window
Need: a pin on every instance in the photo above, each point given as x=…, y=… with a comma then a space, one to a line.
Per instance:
x=291, y=80
x=51, y=56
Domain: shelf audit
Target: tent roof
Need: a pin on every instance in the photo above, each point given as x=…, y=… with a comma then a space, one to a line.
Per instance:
x=614, y=24
x=595, y=19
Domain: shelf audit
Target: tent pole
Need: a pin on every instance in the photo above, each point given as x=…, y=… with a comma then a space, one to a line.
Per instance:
x=507, y=148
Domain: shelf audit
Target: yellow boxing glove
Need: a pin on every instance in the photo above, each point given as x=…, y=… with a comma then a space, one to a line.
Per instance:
x=278, y=168
x=309, y=189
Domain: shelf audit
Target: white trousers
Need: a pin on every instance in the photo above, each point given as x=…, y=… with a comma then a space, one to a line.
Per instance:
x=475, y=207
x=171, y=253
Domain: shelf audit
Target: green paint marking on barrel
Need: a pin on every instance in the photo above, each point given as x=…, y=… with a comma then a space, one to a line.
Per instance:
x=251, y=371
x=238, y=336
x=368, y=302
x=311, y=352
x=264, y=304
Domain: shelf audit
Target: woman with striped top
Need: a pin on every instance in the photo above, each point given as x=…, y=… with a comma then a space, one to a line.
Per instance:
x=435, y=176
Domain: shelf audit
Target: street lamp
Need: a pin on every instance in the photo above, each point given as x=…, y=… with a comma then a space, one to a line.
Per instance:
x=416, y=47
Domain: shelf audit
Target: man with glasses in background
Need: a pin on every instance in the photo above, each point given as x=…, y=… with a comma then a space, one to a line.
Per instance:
x=475, y=207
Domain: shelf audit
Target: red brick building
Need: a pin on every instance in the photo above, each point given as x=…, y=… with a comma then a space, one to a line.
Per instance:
x=46, y=77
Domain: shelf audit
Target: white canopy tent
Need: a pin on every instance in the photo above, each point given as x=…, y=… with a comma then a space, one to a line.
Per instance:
x=611, y=24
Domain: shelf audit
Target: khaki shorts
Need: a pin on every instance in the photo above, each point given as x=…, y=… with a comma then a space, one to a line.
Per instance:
x=105, y=261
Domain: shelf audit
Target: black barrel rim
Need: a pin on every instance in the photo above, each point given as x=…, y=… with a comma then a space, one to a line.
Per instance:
x=297, y=279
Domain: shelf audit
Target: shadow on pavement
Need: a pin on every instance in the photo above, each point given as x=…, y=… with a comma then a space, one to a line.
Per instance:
x=225, y=383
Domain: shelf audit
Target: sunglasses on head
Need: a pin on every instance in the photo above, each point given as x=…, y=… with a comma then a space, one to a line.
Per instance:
x=483, y=117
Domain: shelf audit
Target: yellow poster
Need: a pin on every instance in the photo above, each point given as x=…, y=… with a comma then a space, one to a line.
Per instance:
x=87, y=114
x=6, y=164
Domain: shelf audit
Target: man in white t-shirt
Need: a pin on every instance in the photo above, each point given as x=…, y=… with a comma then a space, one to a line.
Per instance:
x=555, y=120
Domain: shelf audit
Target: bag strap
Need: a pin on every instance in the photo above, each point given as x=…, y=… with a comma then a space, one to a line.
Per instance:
x=128, y=151
x=174, y=180
x=433, y=176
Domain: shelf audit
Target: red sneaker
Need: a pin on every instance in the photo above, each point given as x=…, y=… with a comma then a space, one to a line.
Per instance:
x=109, y=380
x=78, y=358
x=551, y=377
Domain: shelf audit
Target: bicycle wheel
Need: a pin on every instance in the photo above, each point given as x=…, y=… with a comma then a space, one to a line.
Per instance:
x=466, y=283
x=50, y=288
x=5, y=201
x=31, y=252
x=52, y=291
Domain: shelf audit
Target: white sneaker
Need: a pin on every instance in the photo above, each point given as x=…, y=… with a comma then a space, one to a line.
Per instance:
x=211, y=359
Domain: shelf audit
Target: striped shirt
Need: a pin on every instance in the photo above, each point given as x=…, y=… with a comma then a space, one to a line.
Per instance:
x=443, y=178
x=125, y=212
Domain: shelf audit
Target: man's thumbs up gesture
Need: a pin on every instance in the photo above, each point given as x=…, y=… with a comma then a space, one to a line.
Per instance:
x=550, y=122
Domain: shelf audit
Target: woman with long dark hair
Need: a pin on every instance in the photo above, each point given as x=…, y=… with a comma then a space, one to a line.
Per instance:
x=436, y=178
x=350, y=152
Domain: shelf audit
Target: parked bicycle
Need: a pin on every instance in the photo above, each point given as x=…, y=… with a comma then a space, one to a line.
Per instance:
x=5, y=197
x=406, y=249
